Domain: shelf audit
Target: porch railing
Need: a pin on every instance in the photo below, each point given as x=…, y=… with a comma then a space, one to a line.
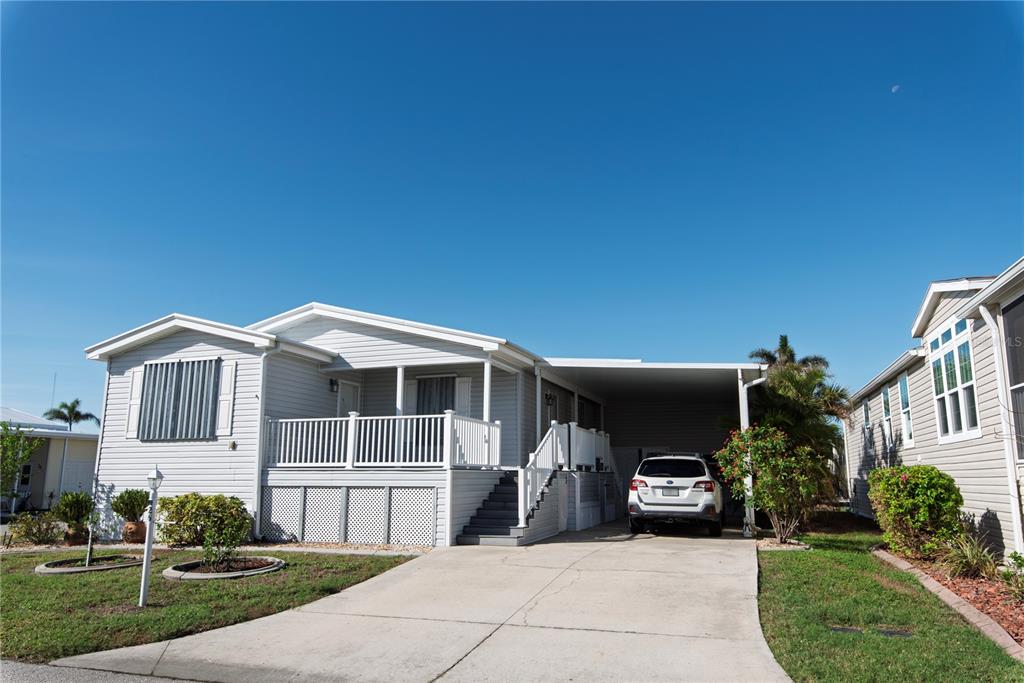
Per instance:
x=391, y=441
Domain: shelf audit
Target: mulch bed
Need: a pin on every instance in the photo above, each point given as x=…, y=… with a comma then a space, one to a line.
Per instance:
x=989, y=596
x=96, y=561
x=238, y=564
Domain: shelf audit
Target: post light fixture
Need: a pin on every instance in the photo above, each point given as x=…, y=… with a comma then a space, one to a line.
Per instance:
x=154, y=479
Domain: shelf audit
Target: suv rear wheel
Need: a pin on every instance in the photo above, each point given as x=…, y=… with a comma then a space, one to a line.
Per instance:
x=635, y=526
x=715, y=528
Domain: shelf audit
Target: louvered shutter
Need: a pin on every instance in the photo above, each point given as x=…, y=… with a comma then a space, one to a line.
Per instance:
x=134, y=403
x=226, y=399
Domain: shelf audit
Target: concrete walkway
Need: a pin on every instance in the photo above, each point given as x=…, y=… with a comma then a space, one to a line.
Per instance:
x=594, y=605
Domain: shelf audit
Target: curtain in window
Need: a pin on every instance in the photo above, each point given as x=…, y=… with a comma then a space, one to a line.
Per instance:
x=434, y=395
x=179, y=401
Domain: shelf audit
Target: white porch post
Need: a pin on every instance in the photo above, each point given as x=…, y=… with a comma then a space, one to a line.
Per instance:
x=399, y=389
x=350, y=440
x=540, y=419
x=487, y=390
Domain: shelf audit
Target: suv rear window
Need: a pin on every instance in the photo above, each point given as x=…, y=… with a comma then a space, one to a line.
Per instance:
x=672, y=468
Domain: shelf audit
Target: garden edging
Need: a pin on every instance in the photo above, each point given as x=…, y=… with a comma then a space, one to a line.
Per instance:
x=974, y=617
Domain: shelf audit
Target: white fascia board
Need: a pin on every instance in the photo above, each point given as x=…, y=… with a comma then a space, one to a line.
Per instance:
x=992, y=294
x=314, y=310
x=931, y=299
x=306, y=351
x=60, y=434
x=905, y=360
x=169, y=325
x=631, y=364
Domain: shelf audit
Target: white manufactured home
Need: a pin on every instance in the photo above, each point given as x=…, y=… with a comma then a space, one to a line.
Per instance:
x=955, y=401
x=338, y=425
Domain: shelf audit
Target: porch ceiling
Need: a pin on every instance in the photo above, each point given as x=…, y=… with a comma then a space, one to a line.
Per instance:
x=614, y=378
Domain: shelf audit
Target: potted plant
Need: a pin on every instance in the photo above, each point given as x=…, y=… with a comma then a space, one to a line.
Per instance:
x=131, y=505
x=74, y=509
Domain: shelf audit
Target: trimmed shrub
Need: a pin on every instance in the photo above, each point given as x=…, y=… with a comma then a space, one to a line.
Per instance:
x=787, y=479
x=967, y=556
x=917, y=506
x=190, y=518
x=74, y=508
x=130, y=504
x=43, y=529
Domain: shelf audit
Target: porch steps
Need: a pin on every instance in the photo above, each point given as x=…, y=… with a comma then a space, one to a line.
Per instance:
x=496, y=520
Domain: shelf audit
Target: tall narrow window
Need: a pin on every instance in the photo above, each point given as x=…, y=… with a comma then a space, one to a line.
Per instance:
x=905, y=417
x=956, y=408
x=865, y=430
x=886, y=417
x=1013, y=324
x=179, y=401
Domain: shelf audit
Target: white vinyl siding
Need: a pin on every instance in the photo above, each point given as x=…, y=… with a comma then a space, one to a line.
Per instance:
x=204, y=466
x=977, y=465
x=364, y=346
x=296, y=388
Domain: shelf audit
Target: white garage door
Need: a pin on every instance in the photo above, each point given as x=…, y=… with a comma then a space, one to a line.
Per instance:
x=77, y=475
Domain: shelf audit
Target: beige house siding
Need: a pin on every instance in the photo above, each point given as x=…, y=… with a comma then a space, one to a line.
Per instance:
x=977, y=464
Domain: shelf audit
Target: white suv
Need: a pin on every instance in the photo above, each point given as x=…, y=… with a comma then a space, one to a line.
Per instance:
x=672, y=488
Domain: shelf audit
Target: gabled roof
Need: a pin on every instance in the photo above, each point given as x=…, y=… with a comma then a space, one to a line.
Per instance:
x=283, y=321
x=905, y=360
x=1004, y=282
x=935, y=292
x=177, y=322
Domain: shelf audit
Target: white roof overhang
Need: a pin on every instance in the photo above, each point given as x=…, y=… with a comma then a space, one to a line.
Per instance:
x=935, y=292
x=611, y=377
x=906, y=359
x=1004, y=284
x=177, y=322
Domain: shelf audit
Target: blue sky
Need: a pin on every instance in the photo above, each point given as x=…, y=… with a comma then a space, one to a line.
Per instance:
x=665, y=181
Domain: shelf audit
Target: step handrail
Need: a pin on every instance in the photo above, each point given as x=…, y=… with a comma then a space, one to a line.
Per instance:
x=541, y=466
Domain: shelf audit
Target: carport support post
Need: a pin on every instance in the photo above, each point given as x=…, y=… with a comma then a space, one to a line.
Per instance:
x=748, y=483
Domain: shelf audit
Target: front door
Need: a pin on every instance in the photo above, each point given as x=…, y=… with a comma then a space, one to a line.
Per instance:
x=348, y=398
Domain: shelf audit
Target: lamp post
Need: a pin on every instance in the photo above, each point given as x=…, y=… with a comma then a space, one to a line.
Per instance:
x=154, y=479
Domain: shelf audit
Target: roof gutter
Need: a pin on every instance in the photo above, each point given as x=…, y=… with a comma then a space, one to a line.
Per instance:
x=1004, y=419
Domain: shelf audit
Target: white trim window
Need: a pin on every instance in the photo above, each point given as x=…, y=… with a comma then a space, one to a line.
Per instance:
x=866, y=431
x=952, y=362
x=886, y=417
x=906, y=420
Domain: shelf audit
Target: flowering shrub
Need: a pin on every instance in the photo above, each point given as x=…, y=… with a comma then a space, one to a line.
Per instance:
x=917, y=506
x=787, y=480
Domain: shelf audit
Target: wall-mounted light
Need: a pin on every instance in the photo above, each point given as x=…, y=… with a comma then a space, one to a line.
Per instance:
x=333, y=383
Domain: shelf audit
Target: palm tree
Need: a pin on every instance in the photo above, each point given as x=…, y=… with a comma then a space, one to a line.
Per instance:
x=68, y=412
x=784, y=355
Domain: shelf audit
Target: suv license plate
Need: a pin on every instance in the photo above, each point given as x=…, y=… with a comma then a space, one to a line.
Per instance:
x=670, y=492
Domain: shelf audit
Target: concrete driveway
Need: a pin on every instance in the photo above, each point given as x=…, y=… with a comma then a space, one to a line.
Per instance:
x=593, y=605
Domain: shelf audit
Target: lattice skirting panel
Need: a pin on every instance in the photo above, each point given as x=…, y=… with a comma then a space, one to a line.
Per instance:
x=405, y=515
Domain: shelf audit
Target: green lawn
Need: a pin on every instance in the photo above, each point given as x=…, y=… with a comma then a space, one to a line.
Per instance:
x=47, y=617
x=839, y=583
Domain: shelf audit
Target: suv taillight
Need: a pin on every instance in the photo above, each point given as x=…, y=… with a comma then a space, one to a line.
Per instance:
x=637, y=483
x=708, y=486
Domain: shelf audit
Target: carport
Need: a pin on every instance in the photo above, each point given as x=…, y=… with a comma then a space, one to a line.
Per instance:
x=649, y=407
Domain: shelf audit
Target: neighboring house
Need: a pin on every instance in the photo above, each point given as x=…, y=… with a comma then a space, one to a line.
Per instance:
x=333, y=424
x=956, y=402
x=64, y=461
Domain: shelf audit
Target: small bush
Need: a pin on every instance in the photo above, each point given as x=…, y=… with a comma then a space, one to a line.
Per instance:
x=130, y=504
x=74, y=509
x=43, y=529
x=966, y=555
x=1013, y=576
x=192, y=518
x=227, y=527
x=917, y=506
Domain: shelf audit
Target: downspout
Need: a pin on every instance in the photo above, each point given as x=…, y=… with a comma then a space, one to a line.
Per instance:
x=748, y=483
x=846, y=457
x=260, y=428
x=96, y=466
x=1004, y=419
